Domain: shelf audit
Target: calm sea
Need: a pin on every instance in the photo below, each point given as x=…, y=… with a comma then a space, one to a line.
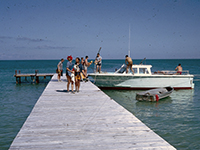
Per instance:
x=176, y=119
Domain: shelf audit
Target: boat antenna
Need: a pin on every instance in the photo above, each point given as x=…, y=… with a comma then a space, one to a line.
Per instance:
x=129, y=44
x=142, y=61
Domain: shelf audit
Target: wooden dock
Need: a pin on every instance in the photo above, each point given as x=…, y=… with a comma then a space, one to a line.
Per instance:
x=34, y=77
x=88, y=120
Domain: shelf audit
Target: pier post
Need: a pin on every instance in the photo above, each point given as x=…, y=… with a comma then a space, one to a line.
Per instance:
x=36, y=77
x=36, y=71
x=18, y=80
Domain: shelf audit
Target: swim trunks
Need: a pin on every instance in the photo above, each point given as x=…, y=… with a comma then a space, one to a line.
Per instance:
x=179, y=72
x=78, y=77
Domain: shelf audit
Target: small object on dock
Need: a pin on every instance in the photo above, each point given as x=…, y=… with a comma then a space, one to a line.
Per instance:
x=154, y=94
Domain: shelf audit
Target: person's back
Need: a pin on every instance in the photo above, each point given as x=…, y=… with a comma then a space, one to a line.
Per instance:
x=129, y=60
x=179, y=69
x=129, y=63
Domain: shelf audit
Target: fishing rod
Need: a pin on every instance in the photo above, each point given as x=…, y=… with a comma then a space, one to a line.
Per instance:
x=142, y=60
x=99, y=50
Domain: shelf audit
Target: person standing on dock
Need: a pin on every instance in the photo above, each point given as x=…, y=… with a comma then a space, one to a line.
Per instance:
x=86, y=65
x=83, y=74
x=82, y=61
x=98, y=63
x=129, y=63
x=70, y=74
x=78, y=70
x=60, y=69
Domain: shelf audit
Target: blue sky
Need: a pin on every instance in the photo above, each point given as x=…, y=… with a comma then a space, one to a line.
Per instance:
x=53, y=29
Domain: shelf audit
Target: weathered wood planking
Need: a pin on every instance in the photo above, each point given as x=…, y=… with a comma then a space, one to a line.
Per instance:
x=86, y=120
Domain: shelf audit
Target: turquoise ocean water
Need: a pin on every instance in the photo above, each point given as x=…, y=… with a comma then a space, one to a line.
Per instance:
x=176, y=119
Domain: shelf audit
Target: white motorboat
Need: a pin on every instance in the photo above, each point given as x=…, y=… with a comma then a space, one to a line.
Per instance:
x=142, y=79
x=154, y=94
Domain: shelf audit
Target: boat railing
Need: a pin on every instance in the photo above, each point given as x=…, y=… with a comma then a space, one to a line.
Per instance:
x=170, y=72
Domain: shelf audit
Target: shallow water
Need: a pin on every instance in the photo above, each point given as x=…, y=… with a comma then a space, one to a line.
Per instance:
x=175, y=118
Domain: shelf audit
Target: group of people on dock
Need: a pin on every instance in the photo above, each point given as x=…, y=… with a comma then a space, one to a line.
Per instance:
x=76, y=72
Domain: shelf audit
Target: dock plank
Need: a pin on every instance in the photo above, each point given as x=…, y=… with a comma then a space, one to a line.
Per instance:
x=85, y=120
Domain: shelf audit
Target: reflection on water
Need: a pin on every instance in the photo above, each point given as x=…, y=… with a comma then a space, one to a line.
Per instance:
x=174, y=118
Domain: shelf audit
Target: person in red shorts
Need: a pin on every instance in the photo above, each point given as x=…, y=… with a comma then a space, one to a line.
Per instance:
x=179, y=69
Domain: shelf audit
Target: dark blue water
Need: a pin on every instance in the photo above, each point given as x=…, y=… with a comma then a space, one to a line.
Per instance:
x=176, y=118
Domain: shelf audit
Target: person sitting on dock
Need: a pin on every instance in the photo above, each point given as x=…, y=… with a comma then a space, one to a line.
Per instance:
x=60, y=69
x=179, y=69
x=129, y=63
x=69, y=73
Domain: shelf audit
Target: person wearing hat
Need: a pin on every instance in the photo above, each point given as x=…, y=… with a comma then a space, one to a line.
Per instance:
x=60, y=69
x=70, y=73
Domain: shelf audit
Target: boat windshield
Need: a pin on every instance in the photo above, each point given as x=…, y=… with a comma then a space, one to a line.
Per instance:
x=122, y=69
x=143, y=71
x=136, y=69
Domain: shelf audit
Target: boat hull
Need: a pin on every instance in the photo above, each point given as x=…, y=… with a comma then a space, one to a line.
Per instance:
x=155, y=94
x=132, y=82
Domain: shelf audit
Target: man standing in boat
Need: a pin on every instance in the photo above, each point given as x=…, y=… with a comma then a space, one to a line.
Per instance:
x=129, y=63
x=98, y=62
x=179, y=69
